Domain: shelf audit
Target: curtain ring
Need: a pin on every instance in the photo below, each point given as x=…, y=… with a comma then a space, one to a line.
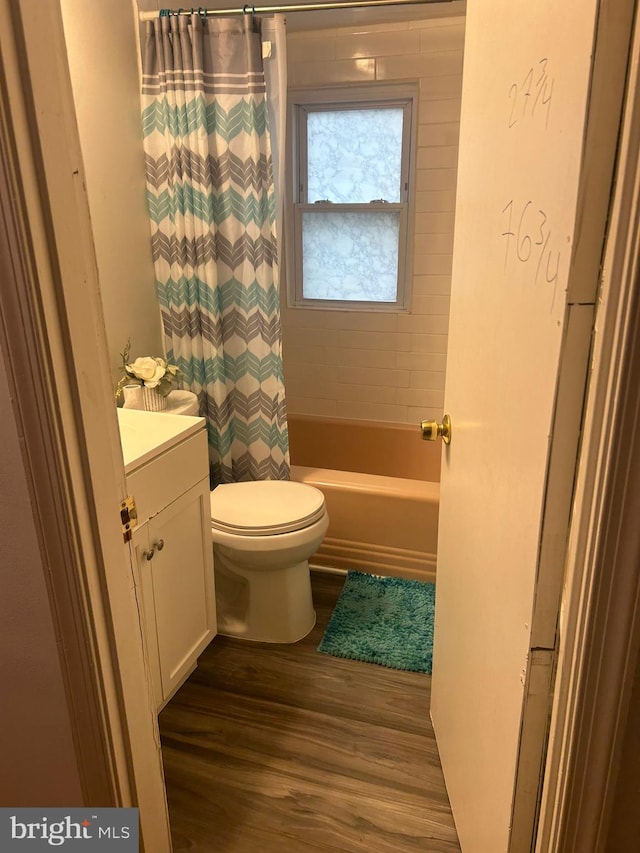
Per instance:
x=247, y=8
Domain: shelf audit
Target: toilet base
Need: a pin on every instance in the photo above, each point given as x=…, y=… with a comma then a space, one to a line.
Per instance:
x=263, y=605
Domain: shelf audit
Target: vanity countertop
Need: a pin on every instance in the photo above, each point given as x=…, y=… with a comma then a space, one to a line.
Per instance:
x=144, y=435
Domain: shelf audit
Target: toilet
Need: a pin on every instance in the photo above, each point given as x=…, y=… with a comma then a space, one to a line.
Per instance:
x=263, y=534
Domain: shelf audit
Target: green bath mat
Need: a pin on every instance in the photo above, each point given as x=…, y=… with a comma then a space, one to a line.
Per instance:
x=388, y=621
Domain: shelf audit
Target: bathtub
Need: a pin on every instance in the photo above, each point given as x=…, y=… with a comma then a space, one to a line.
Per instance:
x=379, y=522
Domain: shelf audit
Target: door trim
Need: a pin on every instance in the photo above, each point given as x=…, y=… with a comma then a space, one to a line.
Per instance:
x=606, y=101
x=613, y=618
x=600, y=619
x=73, y=415
x=30, y=372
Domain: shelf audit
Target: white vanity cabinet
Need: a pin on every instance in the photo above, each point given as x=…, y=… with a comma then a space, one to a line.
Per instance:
x=171, y=548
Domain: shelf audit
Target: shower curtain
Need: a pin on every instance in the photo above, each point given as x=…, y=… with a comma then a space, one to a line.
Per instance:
x=213, y=213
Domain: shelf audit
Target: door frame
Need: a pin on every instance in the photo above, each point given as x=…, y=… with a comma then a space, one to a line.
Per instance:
x=593, y=299
x=54, y=344
x=600, y=616
x=57, y=307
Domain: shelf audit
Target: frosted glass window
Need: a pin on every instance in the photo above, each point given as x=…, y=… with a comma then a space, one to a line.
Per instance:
x=350, y=196
x=354, y=156
x=350, y=256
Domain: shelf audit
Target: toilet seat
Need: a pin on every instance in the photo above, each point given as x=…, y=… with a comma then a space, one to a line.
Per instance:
x=265, y=507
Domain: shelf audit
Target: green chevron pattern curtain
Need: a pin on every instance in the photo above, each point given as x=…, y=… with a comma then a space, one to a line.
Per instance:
x=212, y=210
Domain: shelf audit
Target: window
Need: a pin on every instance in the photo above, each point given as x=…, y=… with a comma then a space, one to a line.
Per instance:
x=351, y=188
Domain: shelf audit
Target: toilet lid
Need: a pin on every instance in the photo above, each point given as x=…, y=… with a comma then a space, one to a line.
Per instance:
x=265, y=507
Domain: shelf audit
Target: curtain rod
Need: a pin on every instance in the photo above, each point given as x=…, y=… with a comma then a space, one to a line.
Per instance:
x=250, y=9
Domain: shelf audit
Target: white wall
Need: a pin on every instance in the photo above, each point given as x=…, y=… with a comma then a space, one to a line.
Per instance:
x=102, y=53
x=386, y=366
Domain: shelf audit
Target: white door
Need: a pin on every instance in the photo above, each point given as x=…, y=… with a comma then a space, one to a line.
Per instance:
x=520, y=326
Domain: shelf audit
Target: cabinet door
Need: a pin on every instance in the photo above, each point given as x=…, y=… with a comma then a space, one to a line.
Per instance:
x=183, y=585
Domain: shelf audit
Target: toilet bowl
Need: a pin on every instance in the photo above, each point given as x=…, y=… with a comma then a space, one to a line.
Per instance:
x=263, y=534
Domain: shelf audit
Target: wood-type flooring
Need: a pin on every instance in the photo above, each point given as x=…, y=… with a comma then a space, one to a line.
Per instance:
x=281, y=749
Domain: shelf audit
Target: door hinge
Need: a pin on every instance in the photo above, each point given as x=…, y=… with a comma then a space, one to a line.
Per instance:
x=128, y=516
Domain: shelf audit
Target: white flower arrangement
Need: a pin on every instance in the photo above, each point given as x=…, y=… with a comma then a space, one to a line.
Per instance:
x=147, y=371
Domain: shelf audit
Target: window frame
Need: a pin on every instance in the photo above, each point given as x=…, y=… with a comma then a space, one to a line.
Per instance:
x=369, y=96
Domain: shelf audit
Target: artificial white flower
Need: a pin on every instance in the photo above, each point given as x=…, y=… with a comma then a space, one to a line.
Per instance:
x=150, y=371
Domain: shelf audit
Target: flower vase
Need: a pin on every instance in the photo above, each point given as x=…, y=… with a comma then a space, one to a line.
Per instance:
x=152, y=401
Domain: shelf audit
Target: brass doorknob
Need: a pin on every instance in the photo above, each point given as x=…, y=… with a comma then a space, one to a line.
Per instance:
x=431, y=430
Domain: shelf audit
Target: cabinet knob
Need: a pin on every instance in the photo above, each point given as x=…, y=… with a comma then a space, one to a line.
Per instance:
x=148, y=555
x=159, y=544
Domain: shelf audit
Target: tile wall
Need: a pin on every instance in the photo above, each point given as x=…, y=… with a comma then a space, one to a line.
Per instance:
x=386, y=366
